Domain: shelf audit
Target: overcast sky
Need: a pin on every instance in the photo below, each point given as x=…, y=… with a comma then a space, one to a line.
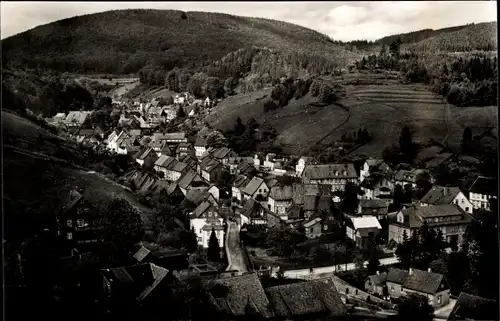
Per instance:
x=340, y=20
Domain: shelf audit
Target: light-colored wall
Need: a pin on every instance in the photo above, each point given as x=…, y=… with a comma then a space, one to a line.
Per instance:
x=433, y=299
x=394, y=289
x=204, y=236
x=314, y=231
x=480, y=200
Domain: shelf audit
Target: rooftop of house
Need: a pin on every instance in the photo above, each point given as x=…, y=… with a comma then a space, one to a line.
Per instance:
x=240, y=180
x=472, y=307
x=233, y=295
x=408, y=175
x=439, y=195
x=424, y=281
x=317, y=203
x=397, y=276
x=146, y=153
x=305, y=298
x=175, y=136
x=312, y=222
x=378, y=279
x=365, y=222
x=202, y=208
x=485, y=186
x=221, y=152
x=281, y=193
x=186, y=179
x=373, y=203
x=371, y=181
x=165, y=161
x=329, y=171
x=253, y=185
x=301, y=190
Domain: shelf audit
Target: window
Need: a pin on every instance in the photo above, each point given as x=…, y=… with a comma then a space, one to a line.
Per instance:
x=392, y=287
x=311, y=230
x=466, y=209
x=260, y=190
x=439, y=299
x=69, y=236
x=462, y=201
x=325, y=227
x=69, y=223
x=80, y=222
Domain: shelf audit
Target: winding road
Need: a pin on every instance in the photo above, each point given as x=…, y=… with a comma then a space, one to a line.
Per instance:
x=234, y=251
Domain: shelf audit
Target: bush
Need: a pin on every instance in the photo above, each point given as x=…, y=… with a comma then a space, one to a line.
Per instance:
x=269, y=105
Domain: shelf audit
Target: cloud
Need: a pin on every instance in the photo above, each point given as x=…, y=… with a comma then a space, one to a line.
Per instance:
x=340, y=20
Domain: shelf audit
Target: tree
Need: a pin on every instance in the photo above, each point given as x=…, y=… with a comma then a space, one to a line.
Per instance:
x=466, y=140
x=216, y=139
x=350, y=199
x=374, y=262
x=395, y=46
x=181, y=113
x=196, y=84
x=229, y=86
x=406, y=144
x=239, y=128
x=121, y=223
x=213, y=252
x=415, y=307
x=269, y=104
x=404, y=251
x=315, y=87
x=326, y=94
x=213, y=87
x=424, y=184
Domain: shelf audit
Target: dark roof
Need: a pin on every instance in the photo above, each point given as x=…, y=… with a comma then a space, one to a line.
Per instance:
x=222, y=152
x=141, y=254
x=252, y=208
x=305, y=298
x=397, y=276
x=281, y=193
x=186, y=180
x=472, y=307
x=371, y=181
x=438, y=210
x=424, y=281
x=328, y=171
x=373, y=207
x=253, y=185
x=378, y=279
x=196, y=195
x=201, y=142
x=301, y=190
x=202, y=208
x=484, y=185
x=240, y=181
x=439, y=195
x=240, y=291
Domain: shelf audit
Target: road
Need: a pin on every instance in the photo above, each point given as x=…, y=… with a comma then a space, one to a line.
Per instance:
x=235, y=256
x=328, y=270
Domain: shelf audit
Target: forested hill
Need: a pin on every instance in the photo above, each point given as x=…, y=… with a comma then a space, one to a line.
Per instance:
x=481, y=36
x=124, y=41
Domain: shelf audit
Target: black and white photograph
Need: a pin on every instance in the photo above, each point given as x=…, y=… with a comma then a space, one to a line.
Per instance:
x=250, y=161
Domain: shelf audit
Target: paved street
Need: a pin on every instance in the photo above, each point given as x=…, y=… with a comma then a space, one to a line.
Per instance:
x=235, y=256
x=325, y=271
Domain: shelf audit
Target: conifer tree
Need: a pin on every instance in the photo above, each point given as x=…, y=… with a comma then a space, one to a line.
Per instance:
x=213, y=247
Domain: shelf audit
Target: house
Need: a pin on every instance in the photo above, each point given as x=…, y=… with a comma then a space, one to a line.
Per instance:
x=198, y=195
x=314, y=228
x=162, y=164
x=253, y=213
x=77, y=224
x=433, y=286
x=408, y=177
x=376, y=284
x=374, y=166
x=279, y=199
x=200, y=146
x=207, y=102
x=165, y=257
x=362, y=229
x=256, y=189
x=301, y=164
x=141, y=282
x=440, y=195
x=113, y=140
x=334, y=175
x=258, y=160
x=481, y=191
x=76, y=118
x=473, y=308
x=147, y=158
x=188, y=179
x=183, y=149
x=316, y=205
x=376, y=186
x=373, y=207
x=234, y=297
x=211, y=170
x=310, y=300
x=245, y=168
x=450, y=219
x=239, y=183
x=175, y=137
x=171, y=168
x=205, y=218
x=300, y=191
x=223, y=154
x=239, y=164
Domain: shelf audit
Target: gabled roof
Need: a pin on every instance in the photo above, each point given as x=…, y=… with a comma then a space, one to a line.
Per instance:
x=252, y=208
x=253, y=185
x=200, y=142
x=484, y=185
x=146, y=153
x=73, y=198
x=174, y=136
x=424, y=281
x=438, y=210
x=371, y=181
x=186, y=179
x=86, y=132
x=77, y=116
x=165, y=161
x=329, y=171
x=240, y=181
x=365, y=222
x=408, y=175
x=378, y=279
x=301, y=190
x=312, y=222
x=281, y=193
x=141, y=254
x=439, y=195
x=473, y=307
x=397, y=276
x=240, y=292
x=202, y=208
x=373, y=203
x=221, y=152
x=197, y=195
x=305, y=298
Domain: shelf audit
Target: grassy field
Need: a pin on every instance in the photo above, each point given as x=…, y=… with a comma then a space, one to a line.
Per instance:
x=378, y=102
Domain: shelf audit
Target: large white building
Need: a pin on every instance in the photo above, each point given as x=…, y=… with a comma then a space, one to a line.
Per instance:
x=334, y=175
x=482, y=190
x=440, y=195
x=205, y=218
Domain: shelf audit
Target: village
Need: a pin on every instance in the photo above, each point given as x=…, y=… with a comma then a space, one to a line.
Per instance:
x=360, y=213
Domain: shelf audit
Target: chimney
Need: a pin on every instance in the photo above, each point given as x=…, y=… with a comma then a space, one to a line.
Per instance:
x=410, y=271
x=445, y=190
x=377, y=273
x=429, y=270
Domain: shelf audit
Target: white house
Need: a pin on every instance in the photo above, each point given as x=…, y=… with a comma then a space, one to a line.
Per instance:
x=372, y=166
x=200, y=146
x=203, y=220
x=112, y=140
x=407, y=177
x=376, y=186
x=239, y=183
x=207, y=102
x=362, y=229
x=254, y=188
x=482, y=190
x=301, y=164
x=148, y=155
x=279, y=199
x=440, y=195
x=335, y=175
